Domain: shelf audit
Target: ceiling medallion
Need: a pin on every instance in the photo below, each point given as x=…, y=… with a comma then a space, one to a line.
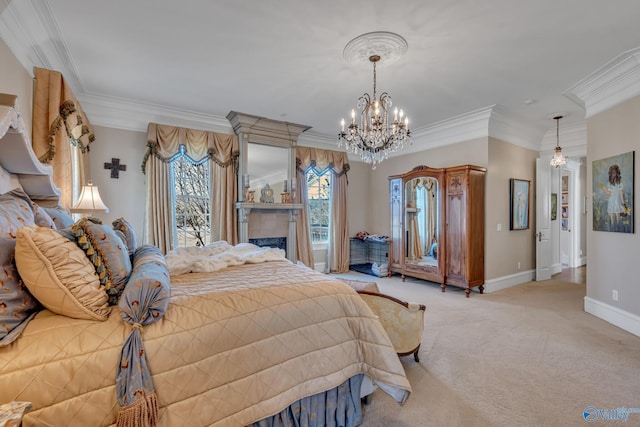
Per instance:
x=375, y=136
x=389, y=46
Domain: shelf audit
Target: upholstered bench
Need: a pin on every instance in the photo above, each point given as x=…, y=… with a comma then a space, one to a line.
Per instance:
x=403, y=321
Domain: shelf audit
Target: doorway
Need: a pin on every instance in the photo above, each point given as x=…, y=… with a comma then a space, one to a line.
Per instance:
x=572, y=214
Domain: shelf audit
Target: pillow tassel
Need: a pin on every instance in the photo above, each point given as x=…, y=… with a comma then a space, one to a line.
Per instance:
x=141, y=413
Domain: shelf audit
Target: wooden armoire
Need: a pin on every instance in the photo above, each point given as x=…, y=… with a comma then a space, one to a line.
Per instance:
x=459, y=231
x=464, y=227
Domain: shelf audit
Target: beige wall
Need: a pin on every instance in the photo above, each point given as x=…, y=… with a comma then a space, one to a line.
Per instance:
x=125, y=196
x=469, y=152
x=613, y=257
x=15, y=80
x=505, y=248
x=358, y=195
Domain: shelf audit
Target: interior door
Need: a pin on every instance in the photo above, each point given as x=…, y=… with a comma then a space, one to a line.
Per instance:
x=543, y=220
x=568, y=216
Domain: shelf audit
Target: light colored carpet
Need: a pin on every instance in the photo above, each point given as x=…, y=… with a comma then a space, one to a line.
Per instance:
x=524, y=356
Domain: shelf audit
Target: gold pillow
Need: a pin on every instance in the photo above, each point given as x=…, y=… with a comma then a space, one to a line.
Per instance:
x=59, y=274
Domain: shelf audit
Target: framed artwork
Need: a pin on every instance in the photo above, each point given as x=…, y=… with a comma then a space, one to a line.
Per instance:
x=519, y=209
x=565, y=224
x=613, y=190
x=565, y=183
x=565, y=198
x=565, y=212
x=554, y=206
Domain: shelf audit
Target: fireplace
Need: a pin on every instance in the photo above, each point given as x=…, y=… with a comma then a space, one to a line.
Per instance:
x=271, y=224
x=272, y=242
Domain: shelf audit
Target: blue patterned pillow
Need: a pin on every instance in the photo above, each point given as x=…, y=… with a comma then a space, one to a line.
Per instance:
x=17, y=306
x=129, y=233
x=41, y=217
x=108, y=254
x=61, y=218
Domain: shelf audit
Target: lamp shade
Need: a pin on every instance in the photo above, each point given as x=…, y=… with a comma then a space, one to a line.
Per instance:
x=89, y=201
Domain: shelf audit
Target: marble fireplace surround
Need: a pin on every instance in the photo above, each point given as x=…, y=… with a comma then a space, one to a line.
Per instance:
x=264, y=220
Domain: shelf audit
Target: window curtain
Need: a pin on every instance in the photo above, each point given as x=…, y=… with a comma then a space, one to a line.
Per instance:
x=336, y=161
x=61, y=132
x=163, y=143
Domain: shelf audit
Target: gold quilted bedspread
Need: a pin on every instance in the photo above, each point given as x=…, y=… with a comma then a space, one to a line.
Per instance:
x=234, y=346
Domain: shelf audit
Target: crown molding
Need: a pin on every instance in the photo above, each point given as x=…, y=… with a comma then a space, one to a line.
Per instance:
x=318, y=140
x=515, y=130
x=464, y=127
x=571, y=136
x=494, y=121
x=125, y=114
x=33, y=34
x=613, y=83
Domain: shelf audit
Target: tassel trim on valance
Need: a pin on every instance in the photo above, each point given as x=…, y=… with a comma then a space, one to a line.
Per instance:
x=67, y=109
x=141, y=413
x=152, y=149
x=346, y=168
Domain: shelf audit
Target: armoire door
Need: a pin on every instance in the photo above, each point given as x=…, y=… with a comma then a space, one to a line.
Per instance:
x=456, y=228
x=395, y=255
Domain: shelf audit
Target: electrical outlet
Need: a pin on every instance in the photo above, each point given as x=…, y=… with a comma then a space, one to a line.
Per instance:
x=499, y=227
x=518, y=265
x=614, y=295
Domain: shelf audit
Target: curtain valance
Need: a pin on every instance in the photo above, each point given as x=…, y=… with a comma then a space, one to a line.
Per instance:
x=322, y=159
x=57, y=116
x=61, y=133
x=164, y=142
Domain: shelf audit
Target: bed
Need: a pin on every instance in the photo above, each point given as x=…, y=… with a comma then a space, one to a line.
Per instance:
x=235, y=346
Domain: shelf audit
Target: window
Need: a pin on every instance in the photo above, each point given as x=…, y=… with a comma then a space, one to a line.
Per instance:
x=191, y=201
x=318, y=196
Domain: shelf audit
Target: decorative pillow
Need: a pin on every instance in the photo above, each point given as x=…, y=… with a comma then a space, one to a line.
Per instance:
x=108, y=254
x=150, y=274
x=59, y=274
x=130, y=234
x=17, y=306
x=122, y=237
x=41, y=217
x=61, y=218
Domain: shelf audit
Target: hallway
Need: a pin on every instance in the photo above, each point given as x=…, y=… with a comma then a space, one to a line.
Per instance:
x=574, y=275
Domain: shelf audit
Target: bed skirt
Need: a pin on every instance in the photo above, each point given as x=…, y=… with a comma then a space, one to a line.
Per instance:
x=338, y=407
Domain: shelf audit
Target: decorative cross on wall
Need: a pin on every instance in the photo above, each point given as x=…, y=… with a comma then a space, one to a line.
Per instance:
x=115, y=167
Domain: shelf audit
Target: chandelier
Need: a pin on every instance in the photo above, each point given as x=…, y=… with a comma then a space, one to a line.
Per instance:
x=374, y=135
x=558, y=159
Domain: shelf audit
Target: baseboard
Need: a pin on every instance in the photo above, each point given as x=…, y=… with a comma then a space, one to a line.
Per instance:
x=582, y=261
x=620, y=318
x=556, y=268
x=319, y=266
x=504, y=282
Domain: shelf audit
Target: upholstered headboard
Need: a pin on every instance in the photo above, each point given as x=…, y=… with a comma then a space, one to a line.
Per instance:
x=19, y=166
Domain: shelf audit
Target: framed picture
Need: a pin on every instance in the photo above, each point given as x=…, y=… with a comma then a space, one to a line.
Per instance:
x=519, y=209
x=565, y=224
x=565, y=198
x=565, y=212
x=613, y=203
x=565, y=183
x=554, y=206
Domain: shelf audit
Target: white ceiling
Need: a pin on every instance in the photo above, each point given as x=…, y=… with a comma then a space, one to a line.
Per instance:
x=283, y=60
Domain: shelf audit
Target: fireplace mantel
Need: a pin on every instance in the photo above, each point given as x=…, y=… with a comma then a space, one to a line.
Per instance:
x=280, y=221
